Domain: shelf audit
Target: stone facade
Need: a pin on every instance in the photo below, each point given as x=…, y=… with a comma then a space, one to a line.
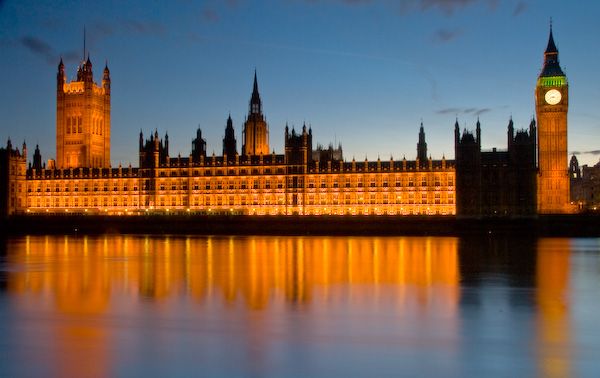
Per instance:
x=497, y=182
x=82, y=119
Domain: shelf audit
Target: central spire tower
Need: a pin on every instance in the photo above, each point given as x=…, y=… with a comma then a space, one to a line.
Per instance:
x=256, y=132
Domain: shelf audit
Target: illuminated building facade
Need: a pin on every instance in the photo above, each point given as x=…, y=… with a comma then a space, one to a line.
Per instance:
x=255, y=182
x=551, y=106
x=82, y=119
x=520, y=181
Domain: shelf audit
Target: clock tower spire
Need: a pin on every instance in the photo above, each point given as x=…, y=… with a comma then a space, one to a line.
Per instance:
x=551, y=106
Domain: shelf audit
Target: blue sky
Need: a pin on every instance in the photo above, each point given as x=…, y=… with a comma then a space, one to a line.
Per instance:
x=360, y=72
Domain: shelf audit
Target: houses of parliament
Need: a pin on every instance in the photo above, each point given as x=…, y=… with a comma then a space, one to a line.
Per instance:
x=529, y=177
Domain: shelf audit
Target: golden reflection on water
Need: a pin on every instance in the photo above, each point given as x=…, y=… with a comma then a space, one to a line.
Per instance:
x=81, y=283
x=81, y=273
x=553, y=323
x=83, y=279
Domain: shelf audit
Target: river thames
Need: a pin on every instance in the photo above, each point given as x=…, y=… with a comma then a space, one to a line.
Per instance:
x=73, y=306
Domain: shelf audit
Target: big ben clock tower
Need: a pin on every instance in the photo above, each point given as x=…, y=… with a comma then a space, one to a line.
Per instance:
x=551, y=106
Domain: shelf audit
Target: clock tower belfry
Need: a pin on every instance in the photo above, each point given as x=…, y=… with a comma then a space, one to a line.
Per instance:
x=551, y=107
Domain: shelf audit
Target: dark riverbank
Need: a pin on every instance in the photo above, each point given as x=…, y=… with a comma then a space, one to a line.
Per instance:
x=567, y=225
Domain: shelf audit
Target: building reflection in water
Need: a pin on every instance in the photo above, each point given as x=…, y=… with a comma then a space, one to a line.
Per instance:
x=441, y=293
x=89, y=283
x=80, y=274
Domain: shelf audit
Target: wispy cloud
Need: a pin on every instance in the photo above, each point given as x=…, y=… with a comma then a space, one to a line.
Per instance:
x=95, y=32
x=406, y=6
x=445, y=6
x=39, y=48
x=592, y=152
x=457, y=111
x=446, y=35
x=520, y=8
x=43, y=50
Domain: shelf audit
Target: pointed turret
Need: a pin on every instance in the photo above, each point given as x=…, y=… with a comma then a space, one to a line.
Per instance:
x=551, y=63
x=510, y=133
x=198, y=146
x=255, y=102
x=456, y=133
x=85, y=71
x=106, y=79
x=551, y=48
x=37, y=158
x=422, y=146
x=167, y=143
x=229, y=142
x=532, y=127
x=60, y=76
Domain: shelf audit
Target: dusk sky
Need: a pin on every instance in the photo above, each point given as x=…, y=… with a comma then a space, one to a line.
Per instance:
x=361, y=72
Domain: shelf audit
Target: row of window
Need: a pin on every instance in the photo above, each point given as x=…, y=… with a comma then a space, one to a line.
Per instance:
x=358, y=183
x=276, y=183
x=75, y=188
x=74, y=202
x=256, y=183
x=219, y=172
x=244, y=200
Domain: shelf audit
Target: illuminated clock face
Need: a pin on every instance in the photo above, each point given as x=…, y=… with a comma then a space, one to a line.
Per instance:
x=552, y=97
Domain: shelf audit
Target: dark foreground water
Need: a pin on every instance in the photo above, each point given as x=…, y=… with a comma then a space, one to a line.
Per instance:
x=299, y=306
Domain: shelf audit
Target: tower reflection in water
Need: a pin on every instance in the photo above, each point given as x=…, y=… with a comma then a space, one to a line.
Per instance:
x=94, y=297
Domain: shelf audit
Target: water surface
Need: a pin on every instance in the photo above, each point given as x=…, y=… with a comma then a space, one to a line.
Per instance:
x=299, y=306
